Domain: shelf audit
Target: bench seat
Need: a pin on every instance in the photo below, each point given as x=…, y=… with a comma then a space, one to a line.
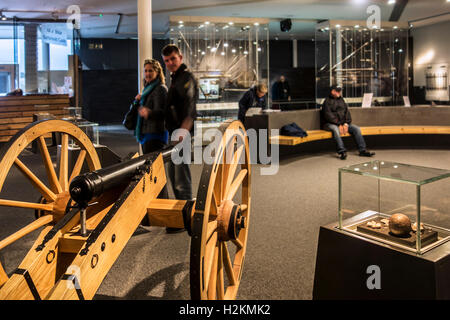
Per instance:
x=366, y=131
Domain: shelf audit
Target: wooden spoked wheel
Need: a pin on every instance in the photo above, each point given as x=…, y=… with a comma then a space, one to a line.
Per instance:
x=221, y=218
x=55, y=193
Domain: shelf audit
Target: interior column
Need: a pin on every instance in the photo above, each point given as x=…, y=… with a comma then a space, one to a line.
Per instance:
x=144, y=36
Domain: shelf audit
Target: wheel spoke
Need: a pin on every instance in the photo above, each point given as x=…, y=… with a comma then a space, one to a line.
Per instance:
x=220, y=280
x=228, y=264
x=233, y=165
x=210, y=259
x=233, y=188
x=78, y=165
x=46, y=192
x=218, y=191
x=51, y=174
x=3, y=276
x=226, y=167
x=214, y=205
x=238, y=244
x=212, y=282
x=42, y=221
x=63, y=163
x=212, y=227
x=27, y=205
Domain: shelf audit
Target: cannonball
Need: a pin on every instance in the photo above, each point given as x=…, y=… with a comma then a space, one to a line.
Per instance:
x=399, y=224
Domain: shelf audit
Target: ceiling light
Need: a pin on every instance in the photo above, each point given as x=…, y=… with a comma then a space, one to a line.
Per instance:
x=206, y=22
x=2, y=16
x=180, y=22
x=391, y=1
x=256, y=24
x=230, y=23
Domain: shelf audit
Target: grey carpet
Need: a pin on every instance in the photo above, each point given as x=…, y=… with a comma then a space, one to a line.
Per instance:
x=287, y=210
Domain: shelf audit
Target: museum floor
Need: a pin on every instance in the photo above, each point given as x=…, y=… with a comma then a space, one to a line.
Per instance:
x=287, y=210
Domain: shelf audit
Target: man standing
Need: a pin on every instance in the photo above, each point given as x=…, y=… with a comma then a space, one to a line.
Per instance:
x=255, y=97
x=180, y=114
x=337, y=119
x=284, y=91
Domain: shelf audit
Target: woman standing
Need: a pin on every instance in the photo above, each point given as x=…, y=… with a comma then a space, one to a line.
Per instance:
x=146, y=115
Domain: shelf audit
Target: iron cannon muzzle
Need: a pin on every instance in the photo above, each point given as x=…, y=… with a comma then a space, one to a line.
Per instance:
x=85, y=187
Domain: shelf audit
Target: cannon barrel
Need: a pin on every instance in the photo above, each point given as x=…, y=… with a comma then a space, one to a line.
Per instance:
x=85, y=187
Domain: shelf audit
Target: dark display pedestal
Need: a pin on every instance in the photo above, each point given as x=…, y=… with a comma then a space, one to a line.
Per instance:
x=342, y=266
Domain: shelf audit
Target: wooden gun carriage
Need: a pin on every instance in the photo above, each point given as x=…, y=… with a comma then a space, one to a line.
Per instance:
x=88, y=218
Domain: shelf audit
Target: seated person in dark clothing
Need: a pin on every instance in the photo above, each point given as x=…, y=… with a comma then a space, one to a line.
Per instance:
x=255, y=97
x=17, y=92
x=337, y=119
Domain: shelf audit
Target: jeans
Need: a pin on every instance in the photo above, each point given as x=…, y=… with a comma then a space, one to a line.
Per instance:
x=180, y=178
x=355, y=131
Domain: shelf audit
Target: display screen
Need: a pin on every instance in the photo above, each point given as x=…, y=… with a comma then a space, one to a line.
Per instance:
x=209, y=89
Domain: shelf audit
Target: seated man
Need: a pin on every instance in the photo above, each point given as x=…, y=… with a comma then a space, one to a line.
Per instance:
x=337, y=119
x=254, y=98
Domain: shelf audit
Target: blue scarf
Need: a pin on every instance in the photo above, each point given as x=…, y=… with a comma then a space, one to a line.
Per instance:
x=142, y=138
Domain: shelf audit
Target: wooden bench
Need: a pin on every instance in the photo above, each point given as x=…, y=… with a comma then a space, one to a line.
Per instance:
x=314, y=135
x=16, y=112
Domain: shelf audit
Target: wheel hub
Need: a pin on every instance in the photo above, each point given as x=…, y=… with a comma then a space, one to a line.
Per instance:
x=230, y=221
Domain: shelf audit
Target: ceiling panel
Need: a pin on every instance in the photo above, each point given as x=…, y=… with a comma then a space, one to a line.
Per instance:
x=297, y=10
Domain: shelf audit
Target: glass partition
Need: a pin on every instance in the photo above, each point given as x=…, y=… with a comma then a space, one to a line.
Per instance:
x=362, y=61
x=47, y=46
x=227, y=55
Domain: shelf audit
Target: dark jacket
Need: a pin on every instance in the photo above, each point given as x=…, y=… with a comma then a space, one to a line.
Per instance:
x=335, y=111
x=250, y=100
x=182, y=98
x=283, y=90
x=156, y=102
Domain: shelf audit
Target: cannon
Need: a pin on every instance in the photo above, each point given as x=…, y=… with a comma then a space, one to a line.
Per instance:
x=88, y=217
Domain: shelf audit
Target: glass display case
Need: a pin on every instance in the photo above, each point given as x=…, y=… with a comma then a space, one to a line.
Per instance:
x=388, y=201
x=362, y=60
x=227, y=56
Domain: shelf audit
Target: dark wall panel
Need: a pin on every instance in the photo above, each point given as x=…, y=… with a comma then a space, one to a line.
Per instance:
x=301, y=79
x=107, y=94
x=110, y=76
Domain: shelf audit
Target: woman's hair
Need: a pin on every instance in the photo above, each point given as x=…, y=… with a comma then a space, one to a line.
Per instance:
x=261, y=87
x=158, y=69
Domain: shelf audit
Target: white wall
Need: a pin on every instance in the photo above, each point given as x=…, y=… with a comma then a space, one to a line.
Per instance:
x=431, y=45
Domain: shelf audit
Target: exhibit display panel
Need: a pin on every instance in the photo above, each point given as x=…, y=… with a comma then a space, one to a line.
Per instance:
x=362, y=59
x=391, y=200
x=227, y=55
